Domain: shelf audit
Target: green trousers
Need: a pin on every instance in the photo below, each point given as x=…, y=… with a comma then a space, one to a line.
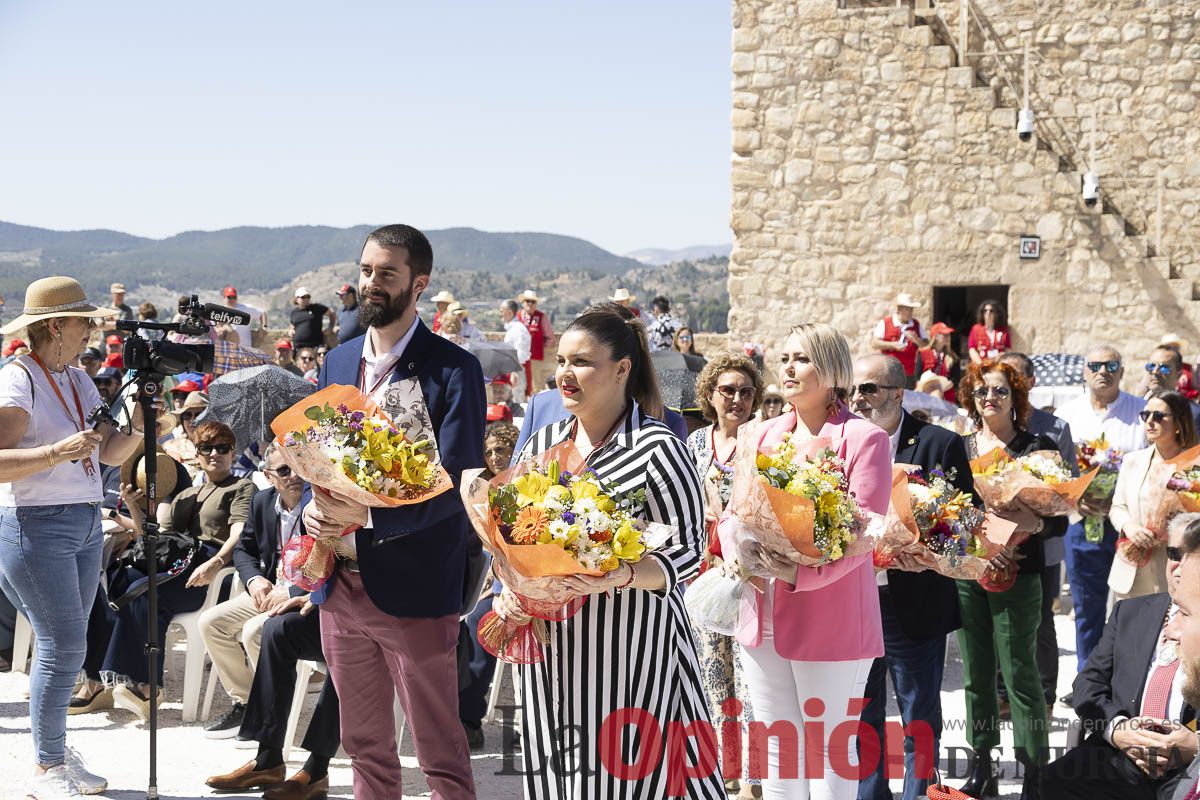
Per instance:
x=1004, y=624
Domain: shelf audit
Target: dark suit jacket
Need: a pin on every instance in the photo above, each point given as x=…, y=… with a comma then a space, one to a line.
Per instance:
x=546, y=408
x=256, y=553
x=415, y=557
x=1111, y=682
x=926, y=603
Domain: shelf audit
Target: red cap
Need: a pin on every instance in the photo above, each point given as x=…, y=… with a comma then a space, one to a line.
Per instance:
x=12, y=345
x=230, y=292
x=499, y=411
x=939, y=328
x=503, y=377
x=186, y=387
x=346, y=289
x=283, y=344
x=113, y=339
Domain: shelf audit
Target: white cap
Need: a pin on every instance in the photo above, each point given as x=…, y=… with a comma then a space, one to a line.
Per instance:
x=303, y=291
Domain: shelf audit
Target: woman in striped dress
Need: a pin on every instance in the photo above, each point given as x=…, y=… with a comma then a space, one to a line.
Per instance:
x=630, y=646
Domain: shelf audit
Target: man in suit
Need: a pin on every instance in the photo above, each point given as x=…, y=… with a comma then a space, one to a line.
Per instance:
x=918, y=608
x=290, y=632
x=1185, y=627
x=390, y=613
x=1129, y=697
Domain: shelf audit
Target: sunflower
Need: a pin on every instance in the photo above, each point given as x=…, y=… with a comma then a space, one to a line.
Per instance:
x=529, y=526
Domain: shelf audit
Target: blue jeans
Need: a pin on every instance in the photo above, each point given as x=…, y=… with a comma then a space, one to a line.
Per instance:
x=473, y=696
x=1088, y=565
x=916, y=667
x=50, y=562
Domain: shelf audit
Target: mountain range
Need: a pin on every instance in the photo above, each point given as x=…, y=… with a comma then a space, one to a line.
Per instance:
x=661, y=256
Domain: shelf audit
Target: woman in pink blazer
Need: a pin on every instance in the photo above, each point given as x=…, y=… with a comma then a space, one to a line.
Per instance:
x=808, y=641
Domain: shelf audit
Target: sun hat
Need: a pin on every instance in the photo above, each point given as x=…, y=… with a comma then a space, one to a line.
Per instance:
x=116, y=287
x=167, y=474
x=772, y=391
x=930, y=380
x=196, y=401
x=621, y=295
x=456, y=308
x=1172, y=341
x=907, y=300
x=443, y=297
x=57, y=296
x=529, y=294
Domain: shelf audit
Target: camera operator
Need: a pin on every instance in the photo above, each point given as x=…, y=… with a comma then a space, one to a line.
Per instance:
x=50, y=493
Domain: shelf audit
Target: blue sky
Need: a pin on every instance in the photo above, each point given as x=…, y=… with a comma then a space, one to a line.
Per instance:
x=607, y=120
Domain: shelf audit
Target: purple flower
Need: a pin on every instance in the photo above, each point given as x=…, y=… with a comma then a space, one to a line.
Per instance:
x=564, y=478
x=568, y=517
x=343, y=409
x=355, y=425
x=505, y=530
x=357, y=416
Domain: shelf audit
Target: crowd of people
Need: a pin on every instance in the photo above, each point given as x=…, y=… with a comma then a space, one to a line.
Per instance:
x=398, y=616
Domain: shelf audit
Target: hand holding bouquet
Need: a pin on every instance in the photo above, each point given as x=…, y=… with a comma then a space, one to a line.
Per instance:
x=339, y=441
x=1037, y=481
x=545, y=519
x=1105, y=460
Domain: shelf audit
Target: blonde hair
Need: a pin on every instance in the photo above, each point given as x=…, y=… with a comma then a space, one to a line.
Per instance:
x=38, y=332
x=829, y=353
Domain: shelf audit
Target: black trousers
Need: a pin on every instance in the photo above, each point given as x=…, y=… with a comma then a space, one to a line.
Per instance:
x=99, y=632
x=1047, y=638
x=1098, y=771
x=286, y=639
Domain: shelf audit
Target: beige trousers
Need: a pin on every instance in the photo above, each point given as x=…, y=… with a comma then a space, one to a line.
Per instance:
x=232, y=632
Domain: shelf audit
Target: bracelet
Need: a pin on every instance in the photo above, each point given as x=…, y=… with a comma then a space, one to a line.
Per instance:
x=629, y=582
x=48, y=452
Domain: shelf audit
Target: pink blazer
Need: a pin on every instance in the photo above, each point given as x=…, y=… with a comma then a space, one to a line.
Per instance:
x=830, y=613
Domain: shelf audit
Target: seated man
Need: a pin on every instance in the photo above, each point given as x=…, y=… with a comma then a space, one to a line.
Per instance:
x=1129, y=698
x=232, y=630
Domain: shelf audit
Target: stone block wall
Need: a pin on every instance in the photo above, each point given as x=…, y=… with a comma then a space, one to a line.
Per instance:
x=865, y=163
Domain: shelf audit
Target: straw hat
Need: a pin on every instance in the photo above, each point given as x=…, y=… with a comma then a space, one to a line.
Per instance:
x=772, y=391
x=167, y=474
x=443, y=297
x=1173, y=341
x=456, y=308
x=58, y=296
x=529, y=294
x=907, y=300
x=622, y=295
x=930, y=381
x=196, y=401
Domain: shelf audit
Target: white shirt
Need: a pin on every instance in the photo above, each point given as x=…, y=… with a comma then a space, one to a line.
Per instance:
x=49, y=423
x=881, y=578
x=245, y=339
x=518, y=336
x=1119, y=422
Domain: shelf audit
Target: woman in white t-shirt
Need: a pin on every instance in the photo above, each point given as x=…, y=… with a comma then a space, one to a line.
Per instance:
x=50, y=492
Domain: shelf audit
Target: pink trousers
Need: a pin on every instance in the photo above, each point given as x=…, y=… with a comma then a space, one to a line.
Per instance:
x=369, y=652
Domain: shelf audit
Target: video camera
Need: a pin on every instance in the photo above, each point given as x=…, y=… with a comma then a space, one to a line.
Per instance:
x=164, y=357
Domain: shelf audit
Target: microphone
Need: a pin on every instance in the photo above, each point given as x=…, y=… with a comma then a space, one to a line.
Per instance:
x=224, y=315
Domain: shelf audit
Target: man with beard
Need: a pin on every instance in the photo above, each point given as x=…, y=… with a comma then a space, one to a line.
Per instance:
x=1185, y=628
x=918, y=607
x=1129, y=697
x=390, y=613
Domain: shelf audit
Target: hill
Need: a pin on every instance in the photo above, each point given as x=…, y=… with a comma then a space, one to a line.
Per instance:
x=697, y=252
x=263, y=259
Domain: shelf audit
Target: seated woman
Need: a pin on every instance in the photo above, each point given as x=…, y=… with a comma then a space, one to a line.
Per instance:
x=213, y=515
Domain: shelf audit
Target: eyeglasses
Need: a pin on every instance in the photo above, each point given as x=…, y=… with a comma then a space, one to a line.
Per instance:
x=306, y=358
x=732, y=392
x=209, y=449
x=1001, y=392
x=1104, y=366
x=869, y=389
x=283, y=472
x=1153, y=416
x=773, y=401
x=1174, y=553
x=188, y=416
x=322, y=353
x=498, y=451
x=1161, y=369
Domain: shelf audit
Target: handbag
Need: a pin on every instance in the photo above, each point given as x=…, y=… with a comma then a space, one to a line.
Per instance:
x=174, y=553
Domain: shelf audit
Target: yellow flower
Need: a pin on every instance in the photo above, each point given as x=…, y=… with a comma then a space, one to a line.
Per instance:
x=586, y=488
x=627, y=544
x=531, y=488
x=763, y=461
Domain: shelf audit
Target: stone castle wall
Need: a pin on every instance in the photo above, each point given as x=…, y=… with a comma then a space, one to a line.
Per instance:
x=867, y=163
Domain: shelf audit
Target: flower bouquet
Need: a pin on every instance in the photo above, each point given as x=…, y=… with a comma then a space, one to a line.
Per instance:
x=339, y=441
x=930, y=519
x=1098, y=455
x=546, y=518
x=1038, y=481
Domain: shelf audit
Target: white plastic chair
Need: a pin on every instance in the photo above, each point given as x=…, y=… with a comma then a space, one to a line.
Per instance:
x=22, y=644
x=304, y=671
x=197, y=654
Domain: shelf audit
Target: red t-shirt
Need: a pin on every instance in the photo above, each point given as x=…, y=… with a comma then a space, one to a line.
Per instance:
x=116, y=360
x=989, y=344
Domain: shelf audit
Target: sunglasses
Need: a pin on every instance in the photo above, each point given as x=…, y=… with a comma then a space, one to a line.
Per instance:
x=731, y=393
x=1174, y=553
x=870, y=389
x=322, y=352
x=1104, y=366
x=1161, y=369
x=283, y=472
x=307, y=358
x=1153, y=416
x=498, y=451
x=1001, y=392
x=219, y=449
x=188, y=416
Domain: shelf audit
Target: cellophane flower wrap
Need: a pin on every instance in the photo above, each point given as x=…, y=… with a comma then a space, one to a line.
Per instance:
x=938, y=525
x=1038, y=481
x=340, y=441
x=1098, y=455
x=1174, y=487
x=545, y=518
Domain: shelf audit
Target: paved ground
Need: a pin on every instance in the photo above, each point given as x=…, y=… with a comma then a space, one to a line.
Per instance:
x=115, y=745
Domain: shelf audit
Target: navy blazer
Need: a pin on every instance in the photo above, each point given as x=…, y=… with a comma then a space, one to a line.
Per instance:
x=415, y=557
x=256, y=554
x=926, y=603
x=546, y=408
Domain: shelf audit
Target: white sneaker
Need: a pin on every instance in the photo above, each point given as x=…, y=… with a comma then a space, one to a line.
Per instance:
x=53, y=784
x=85, y=781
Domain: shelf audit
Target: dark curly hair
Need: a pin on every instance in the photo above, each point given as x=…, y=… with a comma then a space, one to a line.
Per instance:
x=972, y=379
x=505, y=432
x=717, y=366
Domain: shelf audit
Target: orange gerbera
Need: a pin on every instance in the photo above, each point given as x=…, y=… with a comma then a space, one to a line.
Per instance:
x=530, y=524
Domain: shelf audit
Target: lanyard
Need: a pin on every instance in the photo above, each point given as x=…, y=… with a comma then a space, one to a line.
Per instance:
x=362, y=377
x=81, y=425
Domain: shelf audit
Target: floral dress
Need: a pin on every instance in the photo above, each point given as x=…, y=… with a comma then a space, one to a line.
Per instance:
x=720, y=671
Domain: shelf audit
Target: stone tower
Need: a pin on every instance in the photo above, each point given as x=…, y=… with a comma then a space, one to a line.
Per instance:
x=871, y=156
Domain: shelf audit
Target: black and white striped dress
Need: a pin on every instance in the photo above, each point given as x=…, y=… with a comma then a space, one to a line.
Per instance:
x=628, y=650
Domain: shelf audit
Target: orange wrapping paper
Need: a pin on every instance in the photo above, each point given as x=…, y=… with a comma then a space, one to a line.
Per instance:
x=1005, y=492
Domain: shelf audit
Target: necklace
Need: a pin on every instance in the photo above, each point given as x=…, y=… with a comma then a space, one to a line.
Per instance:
x=603, y=439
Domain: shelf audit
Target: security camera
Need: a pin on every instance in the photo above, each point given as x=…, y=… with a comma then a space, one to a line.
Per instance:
x=1025, y=124
x=1091, y=189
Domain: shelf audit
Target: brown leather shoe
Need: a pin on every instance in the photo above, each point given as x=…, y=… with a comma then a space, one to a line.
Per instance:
x=299, y=787
x=246, y=777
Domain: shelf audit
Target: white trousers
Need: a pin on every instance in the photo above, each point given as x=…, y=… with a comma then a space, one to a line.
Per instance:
x=779, y=690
